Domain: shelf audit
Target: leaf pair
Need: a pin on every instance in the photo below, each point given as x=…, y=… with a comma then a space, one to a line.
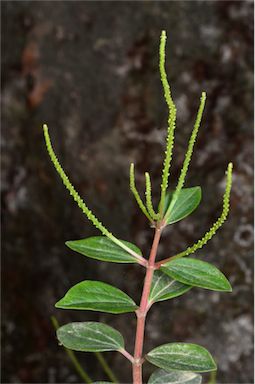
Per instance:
x=102, y=297
x=98, y=337
x=178, y=277
x=99, y=296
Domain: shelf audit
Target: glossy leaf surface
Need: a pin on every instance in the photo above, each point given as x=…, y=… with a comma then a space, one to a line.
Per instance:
x=162, y=377
x=183, y=357
x=102, y=248
x=187, y=201
x=197, y=273
x=90, y=337
x=164, y=287
x=97, y=296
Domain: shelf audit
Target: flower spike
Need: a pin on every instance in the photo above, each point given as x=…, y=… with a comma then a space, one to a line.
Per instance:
x=189, y=152
x=78, y=199
x=171, y=122
x=149, y=204
x=191, y=144
x=136, y=193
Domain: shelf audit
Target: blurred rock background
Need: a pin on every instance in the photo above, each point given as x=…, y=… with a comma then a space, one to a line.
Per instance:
x=90, y=70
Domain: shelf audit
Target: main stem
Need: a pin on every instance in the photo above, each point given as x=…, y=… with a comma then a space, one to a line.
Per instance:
x=143, y=309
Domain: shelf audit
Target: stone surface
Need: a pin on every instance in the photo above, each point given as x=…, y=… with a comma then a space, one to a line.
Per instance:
x=90, y=70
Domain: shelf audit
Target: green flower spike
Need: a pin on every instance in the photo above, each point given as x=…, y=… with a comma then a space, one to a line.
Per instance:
x=79, y=200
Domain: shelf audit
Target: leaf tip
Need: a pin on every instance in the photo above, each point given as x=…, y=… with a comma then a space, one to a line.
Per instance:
x=58, y=304
x=228, y=287
x=71, y=245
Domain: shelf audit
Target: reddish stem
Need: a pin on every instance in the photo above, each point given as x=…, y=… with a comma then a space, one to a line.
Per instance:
x=143, y=309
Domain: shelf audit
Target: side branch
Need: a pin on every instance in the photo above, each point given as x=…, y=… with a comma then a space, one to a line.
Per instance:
x=212, y=231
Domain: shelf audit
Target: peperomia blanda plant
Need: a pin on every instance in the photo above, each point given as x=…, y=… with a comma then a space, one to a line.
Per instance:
x=164, y=279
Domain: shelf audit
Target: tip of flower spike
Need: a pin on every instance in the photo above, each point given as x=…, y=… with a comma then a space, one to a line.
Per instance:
x=163, y=39
x=45, y=127
x=203, y=95
x=229, y=170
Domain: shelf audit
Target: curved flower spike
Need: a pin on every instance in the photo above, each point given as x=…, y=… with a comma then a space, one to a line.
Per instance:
x=80, y=202
x=225, y=210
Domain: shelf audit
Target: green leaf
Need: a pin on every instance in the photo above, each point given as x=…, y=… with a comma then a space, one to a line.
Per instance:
x=102, y=248
x=197, y=273
x=102, y=382
x=97, y=296
x=183, y=357
x=164, y=287
x=187, y=201
x=90, y=337
x=162, y=377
